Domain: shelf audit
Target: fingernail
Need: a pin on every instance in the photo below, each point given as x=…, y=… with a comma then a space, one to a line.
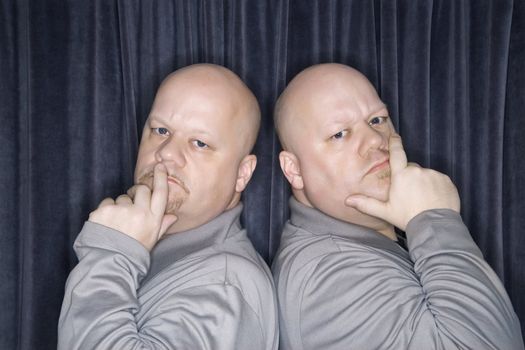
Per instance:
x=160, y=167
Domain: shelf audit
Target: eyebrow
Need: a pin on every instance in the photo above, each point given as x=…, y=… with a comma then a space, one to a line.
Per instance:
x=343, y=120
x=198, y=130
x=380, y=108
x=153, y=117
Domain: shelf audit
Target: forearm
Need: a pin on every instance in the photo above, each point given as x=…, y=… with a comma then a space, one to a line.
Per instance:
x=100, y=300
x=466, y=299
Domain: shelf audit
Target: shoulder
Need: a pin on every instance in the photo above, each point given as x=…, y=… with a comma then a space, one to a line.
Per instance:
x=299, y=246
x=301, y=250
x=308, y=259
x=239, y=278
x=249, y=274
x=245, y=272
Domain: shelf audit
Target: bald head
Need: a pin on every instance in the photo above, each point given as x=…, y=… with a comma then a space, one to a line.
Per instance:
x=334, y=129
x=315, y=86
x=201, y=127
x=217, y=87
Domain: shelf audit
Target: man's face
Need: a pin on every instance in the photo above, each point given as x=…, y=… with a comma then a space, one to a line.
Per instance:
x=192, y=131
x=341, y=142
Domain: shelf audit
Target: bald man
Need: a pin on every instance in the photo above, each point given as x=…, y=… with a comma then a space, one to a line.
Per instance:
x=168, y=265
x=344, y=279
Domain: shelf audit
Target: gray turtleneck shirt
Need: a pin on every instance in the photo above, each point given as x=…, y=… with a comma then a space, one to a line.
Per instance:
x=205, y=288
x=343, y=286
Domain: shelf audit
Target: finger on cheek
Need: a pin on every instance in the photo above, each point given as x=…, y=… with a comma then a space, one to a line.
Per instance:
x=395, y=141
x=159, y=197
x=142, y=194
x=161, y=177
x=398, y=158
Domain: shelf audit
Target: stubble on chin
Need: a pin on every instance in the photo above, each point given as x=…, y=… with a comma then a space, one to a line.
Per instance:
x=384, y=175
x=174, y=205
x=378, y=185
x=384, y=181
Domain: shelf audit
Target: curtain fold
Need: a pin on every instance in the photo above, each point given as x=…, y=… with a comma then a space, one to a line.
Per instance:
x=77, y=80
x=513, y=143
x=12, y=93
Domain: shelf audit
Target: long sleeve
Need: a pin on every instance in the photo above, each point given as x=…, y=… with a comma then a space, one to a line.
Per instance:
x=445, y=296
x=464, y=298
x=101, y=306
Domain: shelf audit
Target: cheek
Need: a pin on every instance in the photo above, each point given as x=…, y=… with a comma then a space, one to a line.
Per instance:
x=391, y=125
x=215, y=178
x=322, y=174
x=376, y=187
x=350, y=180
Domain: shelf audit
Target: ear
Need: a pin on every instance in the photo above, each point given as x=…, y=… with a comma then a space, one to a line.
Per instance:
x=245, y=172
x=291, y=169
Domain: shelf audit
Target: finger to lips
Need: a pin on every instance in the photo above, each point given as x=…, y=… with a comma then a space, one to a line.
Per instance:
x=398, y=157
x=142, y=195
x=159, y=198
x=105, y=202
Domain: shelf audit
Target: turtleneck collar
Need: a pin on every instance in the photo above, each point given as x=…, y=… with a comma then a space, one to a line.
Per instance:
x=319, y=223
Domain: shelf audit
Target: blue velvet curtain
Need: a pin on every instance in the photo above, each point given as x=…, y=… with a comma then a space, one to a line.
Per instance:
x=77, y=79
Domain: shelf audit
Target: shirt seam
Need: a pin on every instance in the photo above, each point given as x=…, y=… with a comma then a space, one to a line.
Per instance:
x=307, y=281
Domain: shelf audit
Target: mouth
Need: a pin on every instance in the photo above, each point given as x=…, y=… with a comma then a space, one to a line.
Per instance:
x=176, y=181
x=147, y=179
x=379, y=166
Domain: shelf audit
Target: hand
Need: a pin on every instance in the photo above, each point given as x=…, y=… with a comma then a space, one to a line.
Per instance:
x=412, y=190
x=142, y=218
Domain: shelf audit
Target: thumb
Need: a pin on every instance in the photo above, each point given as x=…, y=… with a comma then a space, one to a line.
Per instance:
x=367, y=205
x=167, y=221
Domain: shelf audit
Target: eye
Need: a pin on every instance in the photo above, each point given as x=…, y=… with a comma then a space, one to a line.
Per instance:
x=377, y=120
x=160, y=131
x=339, y=135
x=200, y=144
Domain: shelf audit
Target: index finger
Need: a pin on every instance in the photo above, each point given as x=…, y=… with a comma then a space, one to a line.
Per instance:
x=398, y=157
x=159, y=197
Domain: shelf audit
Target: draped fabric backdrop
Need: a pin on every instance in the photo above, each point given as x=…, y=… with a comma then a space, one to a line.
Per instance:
x=77, y=79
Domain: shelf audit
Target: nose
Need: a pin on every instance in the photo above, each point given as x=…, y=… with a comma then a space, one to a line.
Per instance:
x=171, y=151
x=371, y=140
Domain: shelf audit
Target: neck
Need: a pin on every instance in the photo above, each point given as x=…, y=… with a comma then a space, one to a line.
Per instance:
x=388, y=232
x=356, y=218
x=374, y=223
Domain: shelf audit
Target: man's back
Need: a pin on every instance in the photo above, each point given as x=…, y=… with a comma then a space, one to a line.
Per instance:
x=206, y=288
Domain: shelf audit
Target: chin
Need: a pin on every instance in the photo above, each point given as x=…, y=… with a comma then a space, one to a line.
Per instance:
x=382, y=196
x=379, y=190
x=174, y=204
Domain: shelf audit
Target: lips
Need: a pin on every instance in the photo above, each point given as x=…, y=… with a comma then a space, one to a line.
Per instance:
x=147, y=179
x=379, y=166
x=176, y=181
